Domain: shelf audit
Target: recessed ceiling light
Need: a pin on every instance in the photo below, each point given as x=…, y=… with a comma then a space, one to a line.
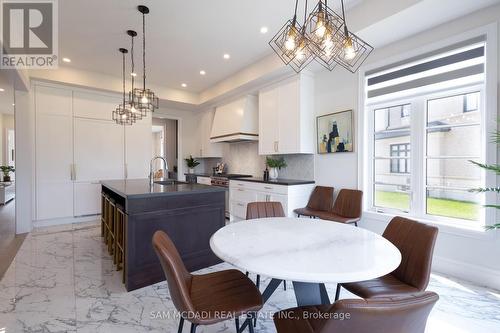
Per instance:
x=2, y=89
x=13, y=104
x=264, y=30
x=226, y=56
x=184, y=85
x=133, y=74
x=202, y=72
x=66, y=59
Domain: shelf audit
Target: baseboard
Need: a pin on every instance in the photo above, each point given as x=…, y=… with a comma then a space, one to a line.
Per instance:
x=62, y=221
x=479, y=275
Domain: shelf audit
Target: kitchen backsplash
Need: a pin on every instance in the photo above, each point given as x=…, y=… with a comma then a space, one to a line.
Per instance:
x=244, y=158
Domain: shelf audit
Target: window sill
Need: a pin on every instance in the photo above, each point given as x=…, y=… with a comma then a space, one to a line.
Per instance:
x=476, y=232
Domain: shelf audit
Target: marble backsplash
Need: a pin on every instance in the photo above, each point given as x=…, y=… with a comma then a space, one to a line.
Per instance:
x=244, y=158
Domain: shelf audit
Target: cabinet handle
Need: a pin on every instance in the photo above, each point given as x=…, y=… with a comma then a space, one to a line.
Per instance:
x=126, y=170
x=268, y=198
x=268, y=188
x=240, y=184
x=240, y=204
x=241, y=190
x=71, y=172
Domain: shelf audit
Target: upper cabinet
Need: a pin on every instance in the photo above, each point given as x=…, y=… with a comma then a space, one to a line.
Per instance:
x=206, y=148
x=286, y=117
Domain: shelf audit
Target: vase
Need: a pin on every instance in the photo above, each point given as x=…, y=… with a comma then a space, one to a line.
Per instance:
x=273, y=173
x=191, y=170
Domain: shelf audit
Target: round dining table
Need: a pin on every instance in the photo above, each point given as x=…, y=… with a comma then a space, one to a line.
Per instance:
x=308, y=252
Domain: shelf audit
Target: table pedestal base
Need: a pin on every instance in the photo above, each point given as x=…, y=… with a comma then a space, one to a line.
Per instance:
x=305, y=293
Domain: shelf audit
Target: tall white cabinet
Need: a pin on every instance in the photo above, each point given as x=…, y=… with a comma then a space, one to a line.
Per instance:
x=78, y=145
x=286, y=117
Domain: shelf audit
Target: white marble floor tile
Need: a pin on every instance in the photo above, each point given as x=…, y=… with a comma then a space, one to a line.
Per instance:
x=63, y=280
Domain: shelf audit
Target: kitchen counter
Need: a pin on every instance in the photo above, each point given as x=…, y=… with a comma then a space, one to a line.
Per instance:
x=139, y=188
x=189, y=213
x=279, y=181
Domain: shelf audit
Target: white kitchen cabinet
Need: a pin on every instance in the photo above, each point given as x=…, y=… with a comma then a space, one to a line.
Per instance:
x=241, y=193
x=87, y=104
x=53, y=153
x=286, y=117
x=138, y=149
x=206, y=148
x=204, y=180
x=87, y=197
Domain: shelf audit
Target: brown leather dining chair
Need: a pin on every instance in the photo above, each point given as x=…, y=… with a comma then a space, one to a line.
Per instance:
x=206, y=299
x=346, y=209
x=415, y=241
x=320, y=201
x=261, y=210
x=401, y=314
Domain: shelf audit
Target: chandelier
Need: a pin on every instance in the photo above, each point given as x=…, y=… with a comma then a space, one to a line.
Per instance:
x=122, y=114
x=324, y=37
x=144, y=99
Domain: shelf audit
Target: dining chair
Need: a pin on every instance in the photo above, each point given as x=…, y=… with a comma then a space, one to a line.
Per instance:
x=415, y=241
x=401, y=314
x=346, y=209
x=320, y=201
x=209, y=298
x=260, y=210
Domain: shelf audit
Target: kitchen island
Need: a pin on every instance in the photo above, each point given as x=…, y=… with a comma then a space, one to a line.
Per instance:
x=189, y=213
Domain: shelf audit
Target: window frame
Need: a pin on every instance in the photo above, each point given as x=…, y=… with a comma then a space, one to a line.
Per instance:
x=406, y=150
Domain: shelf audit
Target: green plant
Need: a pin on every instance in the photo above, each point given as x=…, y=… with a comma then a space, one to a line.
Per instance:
x=191, y=162
x=7, y=169
x=276, y=163
x=496, y=169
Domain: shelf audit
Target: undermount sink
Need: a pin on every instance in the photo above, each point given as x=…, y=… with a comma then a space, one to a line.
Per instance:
x=169, y=182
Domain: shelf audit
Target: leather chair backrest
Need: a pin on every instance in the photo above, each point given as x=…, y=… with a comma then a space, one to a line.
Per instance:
x=321, y=199
x=415, y=241
x=178, y=278
x=348, y=203
x=399, y=314
x=259, y=210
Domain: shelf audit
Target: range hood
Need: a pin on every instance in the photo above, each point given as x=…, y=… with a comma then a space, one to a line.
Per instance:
x=237, y=121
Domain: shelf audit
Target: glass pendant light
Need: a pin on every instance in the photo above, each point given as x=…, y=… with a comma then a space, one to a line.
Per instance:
x=143, y=98
x=122, y=115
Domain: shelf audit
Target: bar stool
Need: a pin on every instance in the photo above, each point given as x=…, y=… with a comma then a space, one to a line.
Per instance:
x=119, y=250
x=111, y=225
x=103, y=214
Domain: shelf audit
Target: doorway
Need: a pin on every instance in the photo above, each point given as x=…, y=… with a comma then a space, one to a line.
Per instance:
x=165, y=144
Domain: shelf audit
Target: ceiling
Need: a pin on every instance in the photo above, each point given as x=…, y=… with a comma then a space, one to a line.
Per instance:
x=183, y=37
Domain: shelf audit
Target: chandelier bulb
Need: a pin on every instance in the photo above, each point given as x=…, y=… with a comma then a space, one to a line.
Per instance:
x=349, y=52
x=144, y=100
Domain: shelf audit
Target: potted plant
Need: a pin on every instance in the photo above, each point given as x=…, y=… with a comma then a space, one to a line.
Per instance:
x=275, y=165
x=191, y=163
x=496, y=169
x=7, y=169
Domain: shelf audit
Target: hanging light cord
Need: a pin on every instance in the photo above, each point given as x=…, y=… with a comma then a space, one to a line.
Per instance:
x=345, y=22
x=305, y=14
x=133, y=65
x=295, y=13
x=123, y=75
x=144, y=52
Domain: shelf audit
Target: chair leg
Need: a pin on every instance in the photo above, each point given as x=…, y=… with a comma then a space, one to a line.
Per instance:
x=237, y=323
x=284, y=285
x=337, y=293
x=250, y=326
x=181, y=325
x=247, y=273
x=257, y=283
x=356, y=224
x=193, y=328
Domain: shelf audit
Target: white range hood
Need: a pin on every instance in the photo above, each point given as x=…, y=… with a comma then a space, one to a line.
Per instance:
x=236, y=121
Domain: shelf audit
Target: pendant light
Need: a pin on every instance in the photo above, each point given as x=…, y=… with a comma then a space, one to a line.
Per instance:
x=144, y=99
x=291, y=44
x=135, y=111
x=354, y=49
x=122, y=114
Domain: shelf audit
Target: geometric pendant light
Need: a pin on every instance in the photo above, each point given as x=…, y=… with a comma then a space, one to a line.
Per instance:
x=122, y=114
x=144, y=99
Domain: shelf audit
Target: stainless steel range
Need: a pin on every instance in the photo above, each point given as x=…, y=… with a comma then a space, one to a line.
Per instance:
x=222, y=180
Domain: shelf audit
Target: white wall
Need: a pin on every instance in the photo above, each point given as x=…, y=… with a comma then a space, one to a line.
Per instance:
x=472, y=256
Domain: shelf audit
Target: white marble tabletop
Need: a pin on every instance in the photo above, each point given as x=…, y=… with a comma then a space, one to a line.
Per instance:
x=305, y=250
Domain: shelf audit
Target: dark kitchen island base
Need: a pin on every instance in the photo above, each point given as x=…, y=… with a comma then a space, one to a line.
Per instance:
x=189, y=213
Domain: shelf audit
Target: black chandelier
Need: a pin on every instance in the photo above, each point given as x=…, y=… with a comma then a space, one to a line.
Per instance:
x=324, y=37
x=122, y=114
x=142, y=98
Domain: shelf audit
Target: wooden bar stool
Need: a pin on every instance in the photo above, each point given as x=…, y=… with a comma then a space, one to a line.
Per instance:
x=103, y=214
x=119, y=238
x=111, y=226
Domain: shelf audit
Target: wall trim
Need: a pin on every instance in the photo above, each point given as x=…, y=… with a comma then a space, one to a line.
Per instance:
x=62, y=221
x=476, y=274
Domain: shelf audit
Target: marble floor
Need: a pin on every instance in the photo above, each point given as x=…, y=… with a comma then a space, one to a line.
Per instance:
x=62, y=280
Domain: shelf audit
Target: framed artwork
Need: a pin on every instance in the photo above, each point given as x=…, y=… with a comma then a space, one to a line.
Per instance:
x=335, y=132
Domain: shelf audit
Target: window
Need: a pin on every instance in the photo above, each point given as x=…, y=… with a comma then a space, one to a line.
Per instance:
x=427, y=123
x=400, y=165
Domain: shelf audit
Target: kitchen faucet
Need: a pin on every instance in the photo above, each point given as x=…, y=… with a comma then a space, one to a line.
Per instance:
x=151, y=174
